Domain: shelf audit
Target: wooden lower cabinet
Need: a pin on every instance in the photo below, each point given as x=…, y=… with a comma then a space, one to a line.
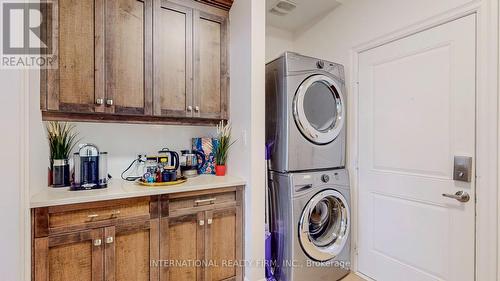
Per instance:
x=76, y=256
x=130, y=249
x=183, y=237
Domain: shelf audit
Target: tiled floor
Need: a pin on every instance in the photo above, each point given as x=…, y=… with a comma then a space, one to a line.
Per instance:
x=352, y=277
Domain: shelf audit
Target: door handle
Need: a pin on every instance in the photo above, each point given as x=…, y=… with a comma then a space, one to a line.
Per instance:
x=460, y=196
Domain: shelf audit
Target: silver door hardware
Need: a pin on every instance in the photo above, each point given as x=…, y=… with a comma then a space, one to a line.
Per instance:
x=196, y=108
x=97, y=242
x=460, y=196
x=99, y=101
x=209, y=221
x=202, y=222
x=189, y=108
x=462, y=168
x=109, y=240
x=109, y=102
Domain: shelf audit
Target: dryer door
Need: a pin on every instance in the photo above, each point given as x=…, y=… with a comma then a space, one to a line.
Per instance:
x=318, y=109
x=324, y=225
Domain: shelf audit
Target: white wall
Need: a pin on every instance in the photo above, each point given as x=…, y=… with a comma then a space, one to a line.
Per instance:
x=277, y=42
x=11, y=126
x=247, y=115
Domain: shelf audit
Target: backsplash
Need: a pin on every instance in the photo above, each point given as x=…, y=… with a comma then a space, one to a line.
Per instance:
x=123, y=142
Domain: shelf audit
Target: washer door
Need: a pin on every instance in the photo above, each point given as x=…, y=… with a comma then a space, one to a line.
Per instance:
x=324, y=225
x=318, y=109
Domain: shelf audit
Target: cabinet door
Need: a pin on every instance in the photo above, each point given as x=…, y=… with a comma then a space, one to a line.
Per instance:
x=182, y=240
x=76, y=85
x=173, y=80
x=132, y=251
x=76, y=256
x=211, y=73
x=129, y=56
x=224, y=244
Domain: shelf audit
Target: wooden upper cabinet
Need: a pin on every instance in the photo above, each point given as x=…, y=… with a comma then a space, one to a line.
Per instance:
x=150, y=61
x=211, y=72
x=173, y=84
x=128, y=56
x=72, y=86
x=75, y=256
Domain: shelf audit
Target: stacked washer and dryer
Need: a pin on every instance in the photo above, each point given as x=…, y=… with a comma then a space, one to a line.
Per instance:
x=309, y=196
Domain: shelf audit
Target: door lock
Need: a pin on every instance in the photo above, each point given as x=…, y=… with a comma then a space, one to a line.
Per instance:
x=462, y=168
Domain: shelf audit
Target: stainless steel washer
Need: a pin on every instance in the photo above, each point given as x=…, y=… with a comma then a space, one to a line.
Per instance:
x=310, y=216
x=305, y=113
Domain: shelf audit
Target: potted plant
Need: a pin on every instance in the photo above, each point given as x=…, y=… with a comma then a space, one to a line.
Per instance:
x=223, y=145
x=62, y=140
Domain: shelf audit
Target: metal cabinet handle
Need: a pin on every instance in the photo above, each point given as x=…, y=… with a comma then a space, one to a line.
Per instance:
x=99, y=101
x=202, y=222
x=460, y=196
x=92, y=216
x=209, y=221
x=196, y=108
x=189, y=108
x=97, y=242
x=202, y=201
x=109, y=240
x=109, y=102
x=115, y=213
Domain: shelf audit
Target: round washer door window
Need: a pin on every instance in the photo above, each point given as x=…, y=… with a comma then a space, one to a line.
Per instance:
x=324, y=225
x=318, y=109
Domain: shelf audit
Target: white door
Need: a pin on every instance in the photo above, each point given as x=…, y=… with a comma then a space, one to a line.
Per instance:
x=416, y=112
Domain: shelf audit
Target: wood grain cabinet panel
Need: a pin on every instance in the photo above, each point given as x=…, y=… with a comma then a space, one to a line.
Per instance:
x=72, y=85
x=76, y=256
x=131, y=250
x=223, y=232
x=211, y=73
x=173, y=82
x=128, y=51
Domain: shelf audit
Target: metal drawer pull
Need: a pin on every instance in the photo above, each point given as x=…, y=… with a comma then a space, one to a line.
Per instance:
x=109, y=240
x=92, y=216
x=202, y=201
x=209, y=221
x=202, y=222
x=97, y=242
x=115, y=213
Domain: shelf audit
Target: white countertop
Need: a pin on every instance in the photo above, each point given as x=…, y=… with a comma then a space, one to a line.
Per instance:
x=118, y=189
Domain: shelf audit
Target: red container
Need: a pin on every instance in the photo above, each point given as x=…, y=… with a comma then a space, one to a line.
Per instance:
x=220, y=170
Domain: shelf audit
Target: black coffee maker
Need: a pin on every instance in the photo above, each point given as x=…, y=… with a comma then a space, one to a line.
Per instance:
x=91, y=169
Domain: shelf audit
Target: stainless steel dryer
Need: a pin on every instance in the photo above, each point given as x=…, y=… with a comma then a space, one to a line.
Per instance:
x=305, y=113
x=310, y=219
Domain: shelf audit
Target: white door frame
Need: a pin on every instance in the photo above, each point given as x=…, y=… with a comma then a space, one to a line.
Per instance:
x=487, y=128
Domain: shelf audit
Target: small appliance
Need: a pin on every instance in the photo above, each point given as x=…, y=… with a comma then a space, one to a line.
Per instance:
x=189, y=162
x=90, y=168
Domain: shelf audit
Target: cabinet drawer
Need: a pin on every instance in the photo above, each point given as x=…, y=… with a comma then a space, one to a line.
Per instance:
x=59, y=217
x=202, y=201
